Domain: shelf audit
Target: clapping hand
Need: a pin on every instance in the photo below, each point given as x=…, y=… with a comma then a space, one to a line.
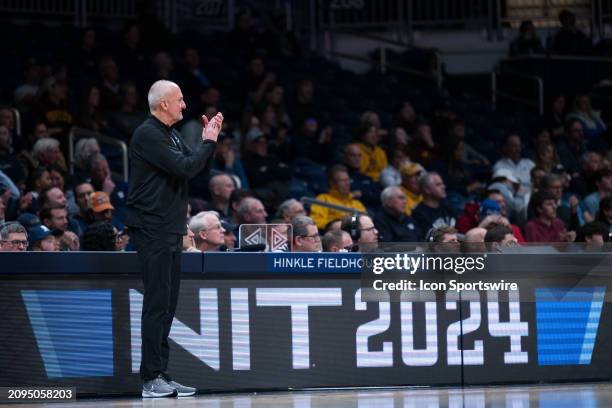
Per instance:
x=212, y=128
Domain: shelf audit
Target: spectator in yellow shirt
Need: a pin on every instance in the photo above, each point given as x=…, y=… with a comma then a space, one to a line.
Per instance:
x=339, y=194
x=410, y=173
x=373, y=157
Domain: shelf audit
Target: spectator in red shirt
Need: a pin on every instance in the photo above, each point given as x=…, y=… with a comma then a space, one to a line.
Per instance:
x=546, y=227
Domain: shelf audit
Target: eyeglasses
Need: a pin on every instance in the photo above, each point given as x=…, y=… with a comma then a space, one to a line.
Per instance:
x=315, y=237
x=17, y=242
x=372, y=228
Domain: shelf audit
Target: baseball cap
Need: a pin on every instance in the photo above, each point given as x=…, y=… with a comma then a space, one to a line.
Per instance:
x=488, y=207
x=99, y=201
x=411, y=169
x=40, y=232
x=507, y=174
x=228, y=226
x=28, y=220
x=254, y=134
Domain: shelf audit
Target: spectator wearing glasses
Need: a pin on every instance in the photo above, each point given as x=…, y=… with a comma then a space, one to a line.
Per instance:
x=13, y=237
x=208, y=232
x=305, y=235
x=362, y=231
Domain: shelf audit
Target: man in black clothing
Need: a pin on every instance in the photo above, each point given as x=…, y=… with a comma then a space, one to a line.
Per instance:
x=432, y=212
x=569, y=40
x=571, y=147
x=312, y=142
x=391, y=222
x=161, y=165
x=268, y=175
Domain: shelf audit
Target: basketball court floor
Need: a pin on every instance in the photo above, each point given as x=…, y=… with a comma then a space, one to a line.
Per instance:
x=590, y=395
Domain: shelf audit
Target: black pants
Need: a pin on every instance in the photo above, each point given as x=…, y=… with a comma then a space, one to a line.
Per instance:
x=160, y=261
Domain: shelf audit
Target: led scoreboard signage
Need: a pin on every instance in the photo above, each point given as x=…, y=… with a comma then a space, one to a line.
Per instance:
x=290, y=328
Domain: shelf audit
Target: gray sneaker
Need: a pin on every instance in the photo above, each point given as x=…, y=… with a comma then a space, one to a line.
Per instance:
x=158, y=388
x=182, y=390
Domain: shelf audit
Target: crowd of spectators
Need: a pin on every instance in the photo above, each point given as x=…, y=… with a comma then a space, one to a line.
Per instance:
x=415, y=178
x=568, y=40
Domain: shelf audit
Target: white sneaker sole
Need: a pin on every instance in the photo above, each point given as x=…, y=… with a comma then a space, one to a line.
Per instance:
x=186, y=394
x=150, y=394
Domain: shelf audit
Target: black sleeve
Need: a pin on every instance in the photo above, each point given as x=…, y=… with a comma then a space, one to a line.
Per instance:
x=159, y=151
x=385, y=231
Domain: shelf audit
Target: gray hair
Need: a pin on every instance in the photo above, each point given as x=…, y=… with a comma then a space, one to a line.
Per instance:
x=93, y=159
x=42, y=145
x=199, y=223
x=11, y=228
x=548, y=179
x=330, y=239
x=158, y=90
x=284, y=207
x=215, y=179
x=83, y=149
x=387, y=193
x=300, y=225
x=245, y=206
x=426, y=180
x=587, y=157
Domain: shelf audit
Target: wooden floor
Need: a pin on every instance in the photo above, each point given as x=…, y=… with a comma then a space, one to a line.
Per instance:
x=593, y=395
